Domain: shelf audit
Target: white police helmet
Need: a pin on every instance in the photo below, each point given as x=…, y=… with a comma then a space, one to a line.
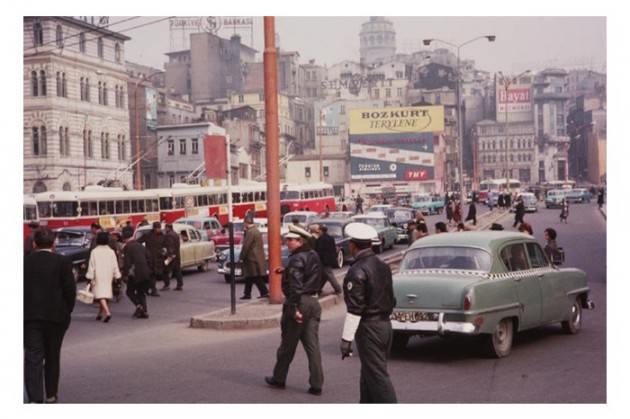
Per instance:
x=361, y=232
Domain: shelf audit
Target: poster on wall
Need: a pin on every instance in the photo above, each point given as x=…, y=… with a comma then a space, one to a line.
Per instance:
x=394, y=143
x=151, y=107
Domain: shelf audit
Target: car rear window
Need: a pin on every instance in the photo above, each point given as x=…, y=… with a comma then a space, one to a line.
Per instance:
x=447, y=257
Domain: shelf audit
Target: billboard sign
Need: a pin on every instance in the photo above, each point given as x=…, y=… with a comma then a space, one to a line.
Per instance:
x=394, y=143
x=151, y=101
x=518, y=100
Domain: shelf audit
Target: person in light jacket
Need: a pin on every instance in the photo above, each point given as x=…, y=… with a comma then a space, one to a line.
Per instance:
x=102, y=270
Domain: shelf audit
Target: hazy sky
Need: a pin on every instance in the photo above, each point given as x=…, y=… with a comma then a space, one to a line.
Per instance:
x=522, y=42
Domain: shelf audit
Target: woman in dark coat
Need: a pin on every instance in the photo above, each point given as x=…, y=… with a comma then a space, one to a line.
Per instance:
x=472, y=213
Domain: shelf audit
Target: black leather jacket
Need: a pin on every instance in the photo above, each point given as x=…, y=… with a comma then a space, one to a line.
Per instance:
x=368, y=290
x=301, y=276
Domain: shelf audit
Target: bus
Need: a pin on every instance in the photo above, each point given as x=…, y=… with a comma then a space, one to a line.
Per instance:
x=112, y=207
x=308, y=197
x=496, y=185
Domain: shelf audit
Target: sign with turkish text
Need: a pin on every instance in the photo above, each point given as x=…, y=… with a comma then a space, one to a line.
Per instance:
x=518, y=99
x=396, y=120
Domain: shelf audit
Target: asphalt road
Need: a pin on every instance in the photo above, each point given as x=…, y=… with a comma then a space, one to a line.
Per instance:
x=161, y=360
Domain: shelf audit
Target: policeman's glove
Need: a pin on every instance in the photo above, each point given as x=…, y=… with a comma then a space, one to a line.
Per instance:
x=346, y=348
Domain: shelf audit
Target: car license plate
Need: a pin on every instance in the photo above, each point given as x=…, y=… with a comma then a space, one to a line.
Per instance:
x=413, y=316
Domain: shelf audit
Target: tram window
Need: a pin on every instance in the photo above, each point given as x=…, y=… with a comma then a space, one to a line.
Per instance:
x=85, y=208
x=30, y=212
x=64, y=209
x=126, y=207
x=202, y=200
x=236, y=198
x=262, y=195
x=152, y=205
x=223, y=198
x=119, y=207
x=212, y=199
x=179, y=202
x=134, y=206
x=250, y=197
x=256, y=196
x=141, y=205
x=93, y=208
x=109, y=207
x=44, y=209
x=166, y=203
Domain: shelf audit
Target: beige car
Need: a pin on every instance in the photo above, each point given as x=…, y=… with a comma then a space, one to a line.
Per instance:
x=193, y=251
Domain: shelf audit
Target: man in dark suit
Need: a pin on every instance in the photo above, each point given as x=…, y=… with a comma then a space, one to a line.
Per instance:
x=327, y=251
x=136, y=270
x=155, y=243
x=49, y=294
x=175, y=264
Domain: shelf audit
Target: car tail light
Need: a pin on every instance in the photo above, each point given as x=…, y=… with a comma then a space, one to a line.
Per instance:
x=467, y=301
x=478, y=321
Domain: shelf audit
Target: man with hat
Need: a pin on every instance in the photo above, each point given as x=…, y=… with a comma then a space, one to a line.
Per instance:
x=155, y=243
x=369, y=297
x=138, y=274
x=301, y=311
x=252, y=258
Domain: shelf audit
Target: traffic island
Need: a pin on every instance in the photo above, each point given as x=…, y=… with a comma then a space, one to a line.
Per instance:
x=257, y=314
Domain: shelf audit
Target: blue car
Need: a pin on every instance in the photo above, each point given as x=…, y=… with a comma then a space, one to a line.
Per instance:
x=579, y=195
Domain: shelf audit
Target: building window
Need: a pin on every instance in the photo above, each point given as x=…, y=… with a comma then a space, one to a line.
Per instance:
x=116, y=97
x=171, y=180
x=34, y=85
x=100, y=47
x=82, y=88
x=59, y=84
x=117, y=54
x=64, y=85
x=87, y=89
x=38, y=34
x=388, y=92
x=399, y=92
x=42, y=83
x=326, y=171
x=376, y=93
x=100, y=93
x=35, y=138
x=123, y=153
x=105, y=146
x=241, y=99
x=307, y=172
x=182, y=146
x=64, y=141
x=194, y=146
x=171, y=147
x=59, y=36
x=82, y=42
x=105, y=100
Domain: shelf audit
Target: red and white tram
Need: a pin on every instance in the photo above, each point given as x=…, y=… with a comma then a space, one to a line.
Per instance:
x=30, y=214
x=307, y=197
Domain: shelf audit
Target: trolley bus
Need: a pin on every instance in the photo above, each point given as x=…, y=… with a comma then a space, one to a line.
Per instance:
x=496, y=185
x=112, y=207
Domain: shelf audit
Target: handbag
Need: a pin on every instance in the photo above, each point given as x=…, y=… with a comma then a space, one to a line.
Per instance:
x=85, y=295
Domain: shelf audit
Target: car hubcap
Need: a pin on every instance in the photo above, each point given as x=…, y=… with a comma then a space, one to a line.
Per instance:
x=575, y=315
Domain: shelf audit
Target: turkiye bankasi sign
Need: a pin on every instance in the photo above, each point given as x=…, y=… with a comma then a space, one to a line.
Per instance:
x=394, y=143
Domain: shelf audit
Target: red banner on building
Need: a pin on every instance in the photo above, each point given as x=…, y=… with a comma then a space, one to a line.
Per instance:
x=215, y=155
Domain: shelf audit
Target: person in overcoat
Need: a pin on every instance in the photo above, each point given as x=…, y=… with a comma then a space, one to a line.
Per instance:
x=252, y=258
x=519, y=213
x=156, y=246
x=472, y=212
x=136, y=270
x=49, y=296
x=175, y=266
x=102, y=270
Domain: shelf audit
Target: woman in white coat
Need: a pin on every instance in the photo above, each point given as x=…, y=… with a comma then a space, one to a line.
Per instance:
x=102, y=269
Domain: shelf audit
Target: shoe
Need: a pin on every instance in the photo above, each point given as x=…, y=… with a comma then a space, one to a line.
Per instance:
x=143, y=315
x=179, y=289
x=273, y=383
x=246, y=297
x=264, y=296
x=107, y=318
x=138, y=311
x=51, y=400
x=98, y=317
x=315, y=391
x=165, y=288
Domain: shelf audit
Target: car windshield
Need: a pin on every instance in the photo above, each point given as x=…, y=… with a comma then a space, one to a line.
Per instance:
x=335, y=230
x=288, y=219
x=374, y=222
x=70, y=239
x=195, y=224
x=447, y=257
x=400, y=215
x=421, y=198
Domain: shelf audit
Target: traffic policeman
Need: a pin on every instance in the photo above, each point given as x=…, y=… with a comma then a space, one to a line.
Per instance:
x=369, y=298
x=301, y=312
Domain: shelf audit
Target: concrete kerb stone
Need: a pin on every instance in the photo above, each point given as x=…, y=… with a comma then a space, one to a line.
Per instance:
x=259, y=314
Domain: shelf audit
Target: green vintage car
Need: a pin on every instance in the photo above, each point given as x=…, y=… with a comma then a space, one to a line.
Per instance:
x=387, y=233
x=487, y=283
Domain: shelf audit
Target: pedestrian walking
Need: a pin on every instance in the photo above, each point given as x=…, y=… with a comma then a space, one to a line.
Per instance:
x=95, y=228
x=327, y=251
x=600, y=198
x=449, y=211
x=472, y=213
x=457, y=212
x=174, y=266
x=127, y=230
x=155, y=242
x=551, y=248
x=102, y=270
x=358, y=202
x=136, y=270
x=301, y=312
x=115, y=243
x=420, y=231
x=252, y=258
x=369, y=298
x=33, y=226
x=519, y=213
x=564, y=211
x=501, y=200
x=49, y=295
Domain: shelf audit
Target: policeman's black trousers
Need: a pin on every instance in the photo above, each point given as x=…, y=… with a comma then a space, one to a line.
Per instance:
x=306, y=332
x=374, y=340
x=42, y=354
x=260, y=284
x=136, y=291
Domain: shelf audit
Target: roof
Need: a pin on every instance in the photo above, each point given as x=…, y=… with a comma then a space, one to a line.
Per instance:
x=93, y=28
x=483, y=239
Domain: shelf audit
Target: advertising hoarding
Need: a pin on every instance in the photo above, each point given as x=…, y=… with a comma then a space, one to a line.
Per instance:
x=394, y=143
x=150, y=103
x=518, y=100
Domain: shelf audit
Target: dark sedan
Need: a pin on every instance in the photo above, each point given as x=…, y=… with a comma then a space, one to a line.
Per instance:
x=400, y=217
x=74, y=243
x=337, y=229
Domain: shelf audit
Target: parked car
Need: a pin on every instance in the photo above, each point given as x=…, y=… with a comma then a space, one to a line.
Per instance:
x=387, y=234
x=379, y=208
x=493, y=198
x=400, y=217
x=340, y=214
x=193, y=251
x=579, y=195
x=222, y=238
x=554, y=198
x=337, y=229
x=74, y=243
x=303, y=217
x=428, y=204
x=486, y=283
x=223, y=258
x=529, y=200
x=207, y=226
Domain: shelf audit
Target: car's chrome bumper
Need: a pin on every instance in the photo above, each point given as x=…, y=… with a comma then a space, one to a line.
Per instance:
x=440, y=326
x=403, y=236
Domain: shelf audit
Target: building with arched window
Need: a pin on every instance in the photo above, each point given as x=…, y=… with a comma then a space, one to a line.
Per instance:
x=63, y=61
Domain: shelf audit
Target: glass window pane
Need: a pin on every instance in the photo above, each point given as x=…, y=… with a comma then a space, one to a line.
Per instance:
x=536, y=256
x=447, y=258
x=514, y=258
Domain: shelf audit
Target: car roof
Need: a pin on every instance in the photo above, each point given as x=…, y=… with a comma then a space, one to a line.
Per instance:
x=342, y=221
x=374, y=214
x=488, y=240
x=301, y=213
x=80, y=229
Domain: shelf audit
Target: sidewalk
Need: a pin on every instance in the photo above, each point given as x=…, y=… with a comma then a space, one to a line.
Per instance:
x=259, y=314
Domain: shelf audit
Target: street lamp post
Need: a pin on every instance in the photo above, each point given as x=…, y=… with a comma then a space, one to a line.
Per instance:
x=460, y=127
x=507, y=82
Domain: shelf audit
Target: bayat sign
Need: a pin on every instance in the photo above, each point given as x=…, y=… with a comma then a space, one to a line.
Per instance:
x=393, y=120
